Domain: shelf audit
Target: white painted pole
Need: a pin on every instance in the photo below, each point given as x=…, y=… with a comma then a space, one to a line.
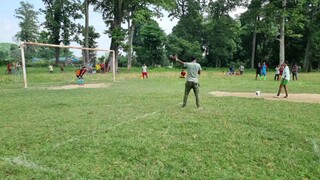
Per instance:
x=23, y=65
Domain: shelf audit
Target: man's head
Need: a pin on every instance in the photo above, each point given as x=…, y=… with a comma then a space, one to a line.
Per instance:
x=193, y=58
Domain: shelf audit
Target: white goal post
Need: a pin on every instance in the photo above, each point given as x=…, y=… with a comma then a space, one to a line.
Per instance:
x=61, y=46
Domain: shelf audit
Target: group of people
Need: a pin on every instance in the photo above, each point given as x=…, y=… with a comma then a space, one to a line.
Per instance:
x=261, y=70
x=194, y=69
x=238, y=72
x=97, y=68
x=13, y=67
x=279, y=72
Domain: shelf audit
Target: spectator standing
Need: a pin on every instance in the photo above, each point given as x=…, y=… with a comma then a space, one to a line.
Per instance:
x=295, y=71
x=277, y=74
x=258, y=71
x=264, y=71
x=241, y=69
x=144, y=71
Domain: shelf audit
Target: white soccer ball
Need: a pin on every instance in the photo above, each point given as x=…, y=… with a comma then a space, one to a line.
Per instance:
x=258, y=93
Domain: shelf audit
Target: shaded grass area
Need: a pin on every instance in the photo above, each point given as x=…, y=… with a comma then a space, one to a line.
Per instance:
x=137, y=129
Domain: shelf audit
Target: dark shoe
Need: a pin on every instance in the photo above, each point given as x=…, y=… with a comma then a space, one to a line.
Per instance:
x=285, y=97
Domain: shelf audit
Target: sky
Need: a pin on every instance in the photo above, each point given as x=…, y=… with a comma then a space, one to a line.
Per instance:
x=10, y=24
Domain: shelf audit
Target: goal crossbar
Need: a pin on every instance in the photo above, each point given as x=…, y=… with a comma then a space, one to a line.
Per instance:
x=61, y=46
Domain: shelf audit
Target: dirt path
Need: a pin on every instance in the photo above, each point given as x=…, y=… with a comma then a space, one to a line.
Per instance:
x=308, y=98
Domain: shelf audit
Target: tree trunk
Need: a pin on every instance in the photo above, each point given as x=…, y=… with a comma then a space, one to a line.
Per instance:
x=254, y=40
x=131, y=28
x=306, y=63
x=57, y=55
x=282, y=34
x=116, y=26
x=87, y=58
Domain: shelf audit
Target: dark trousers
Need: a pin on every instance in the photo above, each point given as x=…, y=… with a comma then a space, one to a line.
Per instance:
x=188, y=86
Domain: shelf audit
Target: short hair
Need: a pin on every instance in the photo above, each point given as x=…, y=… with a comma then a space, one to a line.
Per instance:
x=193, y=58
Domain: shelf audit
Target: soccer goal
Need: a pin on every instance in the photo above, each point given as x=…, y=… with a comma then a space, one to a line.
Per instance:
x=53, y=46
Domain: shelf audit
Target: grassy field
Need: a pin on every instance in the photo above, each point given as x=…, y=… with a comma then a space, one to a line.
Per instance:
x=136, y=129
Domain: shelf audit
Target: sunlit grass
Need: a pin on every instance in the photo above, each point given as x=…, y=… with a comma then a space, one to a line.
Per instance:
x=136, y=129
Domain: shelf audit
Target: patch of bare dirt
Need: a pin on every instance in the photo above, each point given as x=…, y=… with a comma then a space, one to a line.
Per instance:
x=76, y=86
x=307, y=98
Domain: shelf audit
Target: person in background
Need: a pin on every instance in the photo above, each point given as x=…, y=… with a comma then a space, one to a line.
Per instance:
x=9, y=69
x=50, y=68
x=62, y=67
x=295, y=71
x=144, y=71
x=264, y=71
x=258, y=71
x=241, y=69
x=102, y=67
x=277, y=73
x=183, y=74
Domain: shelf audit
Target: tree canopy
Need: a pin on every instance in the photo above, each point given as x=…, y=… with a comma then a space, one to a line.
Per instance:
x=268, y=31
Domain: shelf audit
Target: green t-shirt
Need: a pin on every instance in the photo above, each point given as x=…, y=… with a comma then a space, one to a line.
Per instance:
x=192, y=71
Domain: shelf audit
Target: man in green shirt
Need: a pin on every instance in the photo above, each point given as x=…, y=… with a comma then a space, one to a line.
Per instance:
x=193, y=71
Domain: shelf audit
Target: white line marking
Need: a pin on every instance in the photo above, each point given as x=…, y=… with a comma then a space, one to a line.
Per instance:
x=316, y=148
x=109, y=128
x=20, y=161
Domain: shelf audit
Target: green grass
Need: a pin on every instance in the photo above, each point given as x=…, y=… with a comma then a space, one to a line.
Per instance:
x=136, y=129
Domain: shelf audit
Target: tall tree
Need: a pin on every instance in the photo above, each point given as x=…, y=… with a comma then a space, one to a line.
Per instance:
x=92, y=40
x=151, y=47
x=312, y=49
x=28, y=25
x=60, y=16
x=29, y=22
x=115, y=12
x=222, y=34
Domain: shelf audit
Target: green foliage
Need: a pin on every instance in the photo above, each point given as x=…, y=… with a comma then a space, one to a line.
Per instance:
x=29, y=22
x=152, y=39
x=183, y=48
x=223, y=40
x=60, y=16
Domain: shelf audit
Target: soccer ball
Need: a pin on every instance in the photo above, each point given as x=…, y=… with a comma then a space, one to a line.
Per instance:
x=258, y=93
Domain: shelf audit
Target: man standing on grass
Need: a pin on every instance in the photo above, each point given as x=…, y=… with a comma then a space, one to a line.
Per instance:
x=285, y=80
x=193, y=70
x=241, y=69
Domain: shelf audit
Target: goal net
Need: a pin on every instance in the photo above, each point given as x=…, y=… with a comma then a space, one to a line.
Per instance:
x=58, y=62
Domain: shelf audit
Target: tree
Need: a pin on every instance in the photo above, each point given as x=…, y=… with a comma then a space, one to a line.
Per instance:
x=60, y=16
x=28, y=25
x=182, y=48
x=92, y=37
x=313, y=34
x=29, y=22
x=116, y=12
x=151, y=47
x=222, y=33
